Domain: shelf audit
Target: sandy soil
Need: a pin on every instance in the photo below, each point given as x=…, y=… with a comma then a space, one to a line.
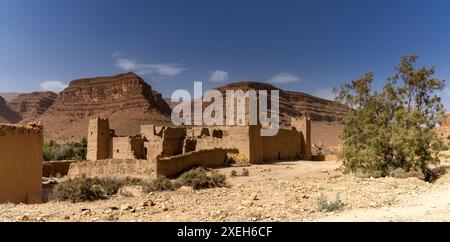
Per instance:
x=287, y=191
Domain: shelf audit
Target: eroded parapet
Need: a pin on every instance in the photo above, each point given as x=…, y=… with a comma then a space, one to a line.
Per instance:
x=163, y=140
x=113, y=168
x=174, y=165
x=21, y=149
x=130, y=147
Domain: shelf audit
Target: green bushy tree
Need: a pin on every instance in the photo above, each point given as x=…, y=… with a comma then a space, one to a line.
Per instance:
x=71, y=151
x=395, y=127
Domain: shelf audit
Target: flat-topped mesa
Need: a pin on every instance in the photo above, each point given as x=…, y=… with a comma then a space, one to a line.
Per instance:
x=127, y=99
x=6, y=114
x=31, y=105
x=115, y=92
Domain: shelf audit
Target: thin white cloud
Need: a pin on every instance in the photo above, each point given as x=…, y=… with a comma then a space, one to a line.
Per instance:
x=218, y=76
x=53, y=86
x=162, y=69
x=117, y=54
x=325, y=93
x=284, y=78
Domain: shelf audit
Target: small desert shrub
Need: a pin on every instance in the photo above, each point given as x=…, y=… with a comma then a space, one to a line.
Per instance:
x=237, y=160
x=84, y=188
x=326, y=206
x=233, y=173
x=159, y=184
x=131, y=181
x=197, y=178
x=245, y=172
x=218, y=180
x=110, y=185
x=125, y=193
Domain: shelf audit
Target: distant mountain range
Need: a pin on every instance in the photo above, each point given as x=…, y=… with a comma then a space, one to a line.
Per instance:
x=130, y=102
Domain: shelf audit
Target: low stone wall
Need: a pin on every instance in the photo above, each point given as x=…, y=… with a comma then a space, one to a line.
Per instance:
x=56, y=168
x=174, y=165
x=114, y=168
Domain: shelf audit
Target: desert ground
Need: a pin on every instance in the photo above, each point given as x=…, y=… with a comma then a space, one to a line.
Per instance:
x=285, y=191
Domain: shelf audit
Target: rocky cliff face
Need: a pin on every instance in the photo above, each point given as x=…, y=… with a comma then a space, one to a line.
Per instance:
x=30, y=106
x=126, y=99
x=6, y=114
x=8, y=96
x=295, y=104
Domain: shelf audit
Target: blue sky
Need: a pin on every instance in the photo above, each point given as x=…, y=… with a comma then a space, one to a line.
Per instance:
x=308, y=46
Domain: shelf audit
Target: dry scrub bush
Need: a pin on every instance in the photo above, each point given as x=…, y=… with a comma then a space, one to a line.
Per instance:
x=325, y=206
x=197, y=178
x=84, y=188
x=237, y=160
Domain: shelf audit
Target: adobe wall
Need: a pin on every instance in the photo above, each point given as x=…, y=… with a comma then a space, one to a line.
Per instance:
x=174, y=165
x=56, y=168
x=21, y=152
x=113, y=168
x=303, y=125
x=99, y=139
x=128, y=148
x=286, y=145
x=154, y=148
x=173, y=141
x=233, y=137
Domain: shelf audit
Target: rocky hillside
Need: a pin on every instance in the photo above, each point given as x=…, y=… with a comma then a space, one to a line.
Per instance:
x=126, y=99
x=295, y=104
x=6, y=114
x=8, y=96
x=30, y=106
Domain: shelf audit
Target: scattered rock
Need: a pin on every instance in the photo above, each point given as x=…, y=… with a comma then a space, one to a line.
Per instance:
x=86, y=212
x=185, y=189
x=126, y=207
x=24, y=218
x=148, y=203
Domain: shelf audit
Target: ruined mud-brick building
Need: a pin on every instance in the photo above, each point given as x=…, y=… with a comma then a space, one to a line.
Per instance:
x=174, y=149
x=20, y=164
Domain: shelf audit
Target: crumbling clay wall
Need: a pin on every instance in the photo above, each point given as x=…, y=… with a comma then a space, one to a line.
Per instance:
x=286, y=145
x=128, y=148
x=173, y=141
x=174, y=165
x=228, y=137
x=113, y=168
x=20, y=164
x=56, y=168
x=303, y=126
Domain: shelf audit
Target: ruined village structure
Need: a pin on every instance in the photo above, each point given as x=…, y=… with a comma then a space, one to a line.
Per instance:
x=172, y=150
x=20, y=164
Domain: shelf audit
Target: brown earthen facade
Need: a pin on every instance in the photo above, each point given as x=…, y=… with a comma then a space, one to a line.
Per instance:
x=159, y=144
x=21, y=155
